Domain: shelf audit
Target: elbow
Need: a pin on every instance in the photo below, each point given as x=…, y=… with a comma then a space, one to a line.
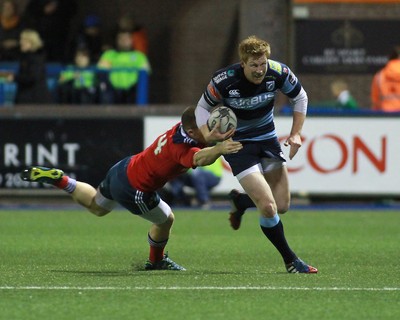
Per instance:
x=203, y=161
x=200, y=162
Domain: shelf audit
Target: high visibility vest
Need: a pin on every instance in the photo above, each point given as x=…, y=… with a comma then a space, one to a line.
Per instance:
x=385, y=89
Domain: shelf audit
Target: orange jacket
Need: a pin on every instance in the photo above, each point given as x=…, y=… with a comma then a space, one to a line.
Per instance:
x=385, y=88
x=140, y=41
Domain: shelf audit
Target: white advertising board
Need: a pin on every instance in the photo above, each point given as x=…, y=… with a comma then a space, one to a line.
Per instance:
x=338, y=155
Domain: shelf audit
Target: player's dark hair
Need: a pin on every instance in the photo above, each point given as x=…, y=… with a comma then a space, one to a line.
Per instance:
x=188, y=119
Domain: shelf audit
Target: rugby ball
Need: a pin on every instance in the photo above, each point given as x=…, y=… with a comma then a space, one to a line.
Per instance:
x=224, y=116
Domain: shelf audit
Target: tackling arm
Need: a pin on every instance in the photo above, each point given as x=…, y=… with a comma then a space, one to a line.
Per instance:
x=208, y=155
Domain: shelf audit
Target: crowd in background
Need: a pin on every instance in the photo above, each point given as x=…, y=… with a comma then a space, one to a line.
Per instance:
x=93, y=70
x=90, y=70
x=384, y=92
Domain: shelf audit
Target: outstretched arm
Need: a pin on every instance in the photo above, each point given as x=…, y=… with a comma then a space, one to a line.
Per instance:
x=299, y=115
x=208, y=155
x=294, y=139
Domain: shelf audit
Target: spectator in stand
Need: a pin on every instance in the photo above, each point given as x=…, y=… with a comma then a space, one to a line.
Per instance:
x=77, y=83
x=385, y=87
x=10, y=30
x=344, y=99
x=52, y=19
x=31, y=78
x=90, y=36
x=139, y=37
x=202, y=180
x=120, y=85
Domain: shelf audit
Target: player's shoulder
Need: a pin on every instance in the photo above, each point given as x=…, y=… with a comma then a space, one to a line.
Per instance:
x=278, y=68
x=227, y=74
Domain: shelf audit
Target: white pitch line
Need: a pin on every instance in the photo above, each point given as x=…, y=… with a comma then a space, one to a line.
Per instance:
x=198, y=288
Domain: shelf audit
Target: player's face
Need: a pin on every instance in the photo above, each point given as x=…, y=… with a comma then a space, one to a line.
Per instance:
x=197, y=135
x=255, y=68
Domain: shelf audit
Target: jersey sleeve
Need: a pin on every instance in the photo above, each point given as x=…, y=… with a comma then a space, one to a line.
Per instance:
x=185, y=156
x=291, y=85
x=209, y=99
x=211, y=95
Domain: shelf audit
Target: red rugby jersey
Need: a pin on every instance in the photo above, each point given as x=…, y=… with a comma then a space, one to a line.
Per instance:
x=162, y=161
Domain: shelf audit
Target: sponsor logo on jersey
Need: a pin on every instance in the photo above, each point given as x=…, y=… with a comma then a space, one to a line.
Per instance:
x=292, y=79
x=218, y=78
x=249, y=103
x=276, y=66
x=270, y=85
x=231, y=73
x=285, y=70
x=213, y=93
x=234, y=93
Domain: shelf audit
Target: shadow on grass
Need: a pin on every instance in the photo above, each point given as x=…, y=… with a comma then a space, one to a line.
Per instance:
x=97, y=273
x=137, y=270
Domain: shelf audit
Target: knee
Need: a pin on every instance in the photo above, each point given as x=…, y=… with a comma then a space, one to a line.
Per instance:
x=283, y=207
x=170, y=221
x=97, y=210
x=268, y=209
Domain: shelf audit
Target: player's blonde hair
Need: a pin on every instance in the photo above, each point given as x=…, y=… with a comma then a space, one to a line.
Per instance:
x=33, y=37
x=253, y=46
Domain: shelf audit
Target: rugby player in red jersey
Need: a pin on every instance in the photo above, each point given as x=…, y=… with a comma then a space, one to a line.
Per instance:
x=133, y=182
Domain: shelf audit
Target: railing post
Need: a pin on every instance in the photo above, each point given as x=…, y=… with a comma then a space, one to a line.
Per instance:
x=142, y=89
x=2, y=95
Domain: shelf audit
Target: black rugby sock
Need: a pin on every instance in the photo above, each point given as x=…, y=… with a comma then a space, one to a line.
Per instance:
x=276, y=235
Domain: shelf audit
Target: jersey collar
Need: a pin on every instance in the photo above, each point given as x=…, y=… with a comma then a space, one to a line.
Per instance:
x=181, y=136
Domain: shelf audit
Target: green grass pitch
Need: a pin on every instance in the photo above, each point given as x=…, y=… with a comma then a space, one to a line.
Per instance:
x=69, y=264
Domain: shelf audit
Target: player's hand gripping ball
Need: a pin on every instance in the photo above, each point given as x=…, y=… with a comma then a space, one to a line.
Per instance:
x=225, y=117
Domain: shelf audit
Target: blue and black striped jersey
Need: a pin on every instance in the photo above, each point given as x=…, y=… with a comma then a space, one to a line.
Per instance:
x=253, y=104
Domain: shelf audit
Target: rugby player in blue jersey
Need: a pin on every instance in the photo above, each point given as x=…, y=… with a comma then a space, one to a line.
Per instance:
x=249, y=88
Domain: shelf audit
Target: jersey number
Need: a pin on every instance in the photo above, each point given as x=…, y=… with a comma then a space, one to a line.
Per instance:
x=161, y=143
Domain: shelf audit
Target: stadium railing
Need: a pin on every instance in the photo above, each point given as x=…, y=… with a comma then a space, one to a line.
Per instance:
x=323, y=111
x=8, y=89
